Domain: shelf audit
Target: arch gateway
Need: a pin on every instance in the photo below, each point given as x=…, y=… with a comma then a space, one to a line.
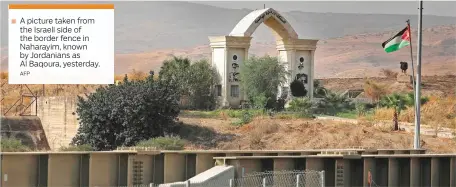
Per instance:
x=229, y=52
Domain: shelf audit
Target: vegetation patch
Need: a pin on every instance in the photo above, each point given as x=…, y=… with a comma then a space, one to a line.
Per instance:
x=84, y=147
x=164, y=143
x=13, y=145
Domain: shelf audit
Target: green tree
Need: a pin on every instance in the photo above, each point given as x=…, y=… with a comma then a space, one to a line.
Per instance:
x=175, y=71
x=261, y=77
x=125, y=114
x=195, y=80
x=397, y=102
x=202, y=78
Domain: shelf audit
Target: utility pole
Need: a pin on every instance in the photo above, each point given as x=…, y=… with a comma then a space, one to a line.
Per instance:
x=416, y=144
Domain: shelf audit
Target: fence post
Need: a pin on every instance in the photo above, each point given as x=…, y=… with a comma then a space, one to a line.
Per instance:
x=151, y=185
x=187, y=183
x=322, y=177
x=231, y=183
x=264, y=182
x=297, y=180
x=243, y=171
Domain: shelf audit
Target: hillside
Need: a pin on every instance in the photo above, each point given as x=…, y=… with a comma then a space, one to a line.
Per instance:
x=349, y=56
x=146, y=34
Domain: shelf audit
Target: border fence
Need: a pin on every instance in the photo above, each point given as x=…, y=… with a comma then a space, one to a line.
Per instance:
x=305, y=178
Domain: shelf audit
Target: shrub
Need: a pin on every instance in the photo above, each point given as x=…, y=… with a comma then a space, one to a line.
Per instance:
x=298, y=89
x=440, y=112
x=383, y=114
x=85, y=147
x=374, y=90
x=246, y=117
x=389, y=73
x=260, y=101
x=13, y=145
x=319, y=90
x=124, y=114
x=304, y=106
x=360, y=109
x=164, y=143
x=334, y=103
x=259, y=131
x=240, y=113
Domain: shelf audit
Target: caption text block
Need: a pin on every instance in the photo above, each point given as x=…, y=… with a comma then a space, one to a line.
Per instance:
x=61, y=44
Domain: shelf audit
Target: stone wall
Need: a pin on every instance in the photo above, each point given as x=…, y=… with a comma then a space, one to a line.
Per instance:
x=59, y=119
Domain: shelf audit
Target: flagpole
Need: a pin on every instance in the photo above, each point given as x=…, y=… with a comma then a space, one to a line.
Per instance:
x=411, y=58
x=418, y=80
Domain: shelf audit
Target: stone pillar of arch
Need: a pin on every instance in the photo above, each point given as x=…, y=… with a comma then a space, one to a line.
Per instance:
x=298, y=57
x=228, y=53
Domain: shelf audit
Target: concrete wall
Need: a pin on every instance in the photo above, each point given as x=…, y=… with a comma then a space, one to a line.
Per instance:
x=59, y=119
x=175, y=167
x=117, y=168
x=64, y=170
x=106, y=168
x=19, y=170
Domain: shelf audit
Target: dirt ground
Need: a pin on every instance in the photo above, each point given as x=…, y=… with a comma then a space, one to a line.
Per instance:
x=288, y=134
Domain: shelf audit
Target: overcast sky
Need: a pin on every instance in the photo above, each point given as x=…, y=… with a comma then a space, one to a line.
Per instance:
x=439, y=8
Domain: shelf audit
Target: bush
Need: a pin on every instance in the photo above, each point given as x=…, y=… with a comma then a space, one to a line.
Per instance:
x=374, y=90
x=260, y=101
x=319, y=90
x=298, y=89
x=13, y=145
x=246, y=117
x=85, y=147
x=333, y=103
x=240, y=113
x=304, y=106
x=389, y=73
x=164, y=143
x=383, y=114
x=124, y=114
x=360, y=109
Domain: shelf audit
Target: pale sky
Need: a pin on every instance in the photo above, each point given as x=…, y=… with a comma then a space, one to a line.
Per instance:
x=438, y=8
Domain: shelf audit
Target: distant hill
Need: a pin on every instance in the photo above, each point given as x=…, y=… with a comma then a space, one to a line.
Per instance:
x=149, y=32
x=350, y=56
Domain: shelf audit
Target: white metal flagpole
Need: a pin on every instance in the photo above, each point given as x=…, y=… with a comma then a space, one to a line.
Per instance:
x=416, y=144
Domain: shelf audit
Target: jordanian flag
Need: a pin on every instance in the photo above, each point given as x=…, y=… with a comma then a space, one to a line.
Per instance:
x=398, y=41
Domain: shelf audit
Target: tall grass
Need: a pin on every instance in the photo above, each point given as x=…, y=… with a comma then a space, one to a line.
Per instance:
x=13, y=145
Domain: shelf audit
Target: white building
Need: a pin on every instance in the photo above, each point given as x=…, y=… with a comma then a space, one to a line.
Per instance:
x=229, y=52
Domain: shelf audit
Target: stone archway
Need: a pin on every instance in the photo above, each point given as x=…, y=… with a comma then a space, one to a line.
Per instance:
x=228, y=52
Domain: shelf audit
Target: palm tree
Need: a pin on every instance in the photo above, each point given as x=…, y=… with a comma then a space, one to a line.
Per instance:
x=398, y=103
x=334, y=102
